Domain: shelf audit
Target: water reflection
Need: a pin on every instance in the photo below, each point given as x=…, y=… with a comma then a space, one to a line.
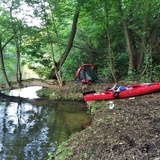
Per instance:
x=29, y=92
x=30, y=131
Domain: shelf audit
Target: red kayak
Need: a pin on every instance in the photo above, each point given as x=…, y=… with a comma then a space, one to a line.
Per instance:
x=129, y=91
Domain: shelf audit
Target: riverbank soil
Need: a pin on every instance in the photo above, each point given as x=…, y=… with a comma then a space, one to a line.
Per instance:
x=129, y=131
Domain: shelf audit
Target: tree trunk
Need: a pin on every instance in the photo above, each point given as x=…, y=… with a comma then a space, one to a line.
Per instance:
x=154, y=41
x=3, y=66
x=17, y=46
x=128, y=42
x=69, y=45
x=111, y=54
x=143, y=38
x=111, y=57
x=18, y=68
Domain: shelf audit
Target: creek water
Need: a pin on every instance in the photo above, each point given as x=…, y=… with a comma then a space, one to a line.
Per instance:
x=29, y=130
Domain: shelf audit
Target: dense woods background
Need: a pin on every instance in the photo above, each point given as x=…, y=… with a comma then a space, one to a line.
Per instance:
x=54, y=38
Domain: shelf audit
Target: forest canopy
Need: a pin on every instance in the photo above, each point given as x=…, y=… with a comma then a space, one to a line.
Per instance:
x=54, y=38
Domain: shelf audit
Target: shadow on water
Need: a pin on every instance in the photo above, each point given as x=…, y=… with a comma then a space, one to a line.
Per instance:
x=29, y=131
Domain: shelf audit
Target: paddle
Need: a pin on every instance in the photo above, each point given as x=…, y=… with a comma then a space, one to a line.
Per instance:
x=89, y=92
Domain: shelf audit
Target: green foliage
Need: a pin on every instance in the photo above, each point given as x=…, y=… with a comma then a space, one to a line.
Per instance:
x=62, y=155
x=155, y=73
x=45, y=92
x=98, y=21
x=150, y=72
x=121, y=65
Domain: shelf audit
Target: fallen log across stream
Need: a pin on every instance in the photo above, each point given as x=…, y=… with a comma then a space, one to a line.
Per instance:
x=30, y=82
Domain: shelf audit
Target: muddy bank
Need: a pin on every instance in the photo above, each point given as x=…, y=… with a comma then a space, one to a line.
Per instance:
x=130, y=131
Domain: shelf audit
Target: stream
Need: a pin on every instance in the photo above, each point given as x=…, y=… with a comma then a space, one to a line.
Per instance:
x=30, y=130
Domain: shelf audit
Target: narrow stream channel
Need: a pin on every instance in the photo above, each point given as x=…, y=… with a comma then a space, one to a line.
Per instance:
x=29, y=131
